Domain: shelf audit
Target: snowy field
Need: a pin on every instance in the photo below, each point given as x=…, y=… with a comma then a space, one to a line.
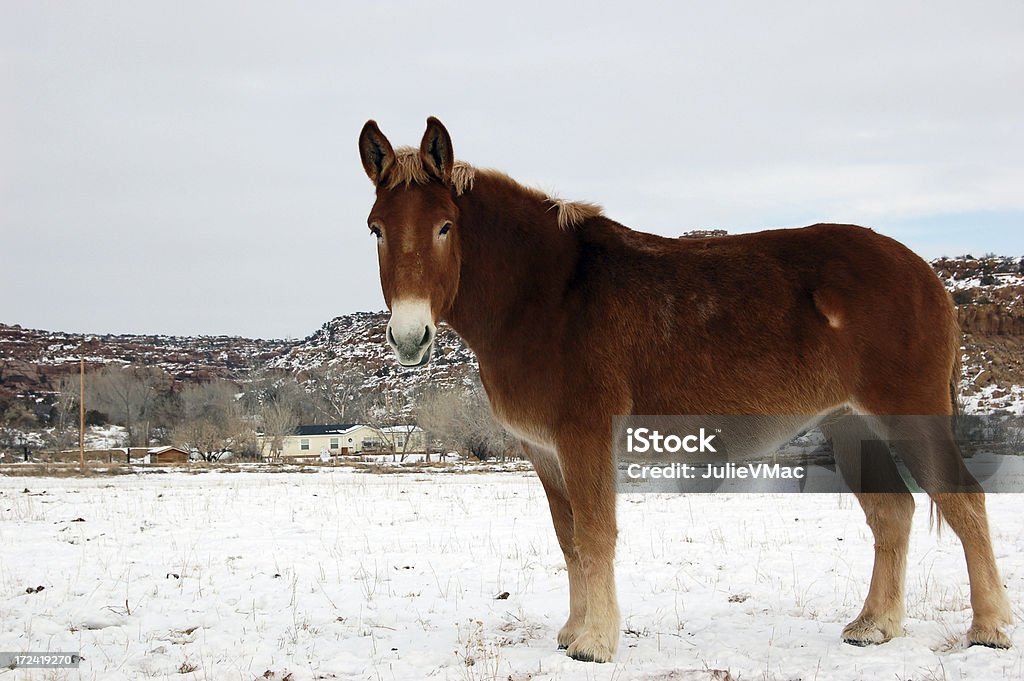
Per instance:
x=345, y=575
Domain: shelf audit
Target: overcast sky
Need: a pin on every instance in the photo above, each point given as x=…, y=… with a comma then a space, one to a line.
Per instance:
x=192, y=168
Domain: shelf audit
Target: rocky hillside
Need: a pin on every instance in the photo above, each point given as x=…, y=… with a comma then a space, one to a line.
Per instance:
x=32, y=361
x=989, y=292
x=357, y=341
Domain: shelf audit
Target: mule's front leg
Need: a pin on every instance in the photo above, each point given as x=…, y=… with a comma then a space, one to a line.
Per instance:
x=589, y=474
x=546, y=465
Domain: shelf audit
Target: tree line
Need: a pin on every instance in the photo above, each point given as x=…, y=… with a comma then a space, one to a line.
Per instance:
x=221, y=415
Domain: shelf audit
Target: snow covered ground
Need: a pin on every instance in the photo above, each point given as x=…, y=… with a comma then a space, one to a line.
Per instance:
x=339, y=574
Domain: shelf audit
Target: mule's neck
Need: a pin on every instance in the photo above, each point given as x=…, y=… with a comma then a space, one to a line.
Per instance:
x=516, y=264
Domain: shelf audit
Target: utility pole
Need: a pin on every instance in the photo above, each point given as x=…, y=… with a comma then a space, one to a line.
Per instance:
x=81, y=411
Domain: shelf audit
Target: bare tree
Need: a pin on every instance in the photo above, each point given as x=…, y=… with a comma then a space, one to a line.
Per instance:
x=337, y=394
x=211, y=420
x=279, y=420
x=128, y=395
x=462, y=419
x=483, y=436
x=438, y=413
x=64, y=414
x=15, y=419
x=274, y=402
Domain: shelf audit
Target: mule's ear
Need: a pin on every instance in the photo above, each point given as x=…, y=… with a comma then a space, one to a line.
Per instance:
x=436, y=151
x=375, y=151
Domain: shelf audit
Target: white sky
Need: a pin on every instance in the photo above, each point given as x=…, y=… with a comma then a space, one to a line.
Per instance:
x=192, y=168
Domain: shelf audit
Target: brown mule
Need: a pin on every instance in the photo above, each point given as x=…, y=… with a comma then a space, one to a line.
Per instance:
x=575, y=318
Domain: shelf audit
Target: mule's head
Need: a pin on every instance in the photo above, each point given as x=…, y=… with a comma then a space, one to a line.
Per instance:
x=415, y=221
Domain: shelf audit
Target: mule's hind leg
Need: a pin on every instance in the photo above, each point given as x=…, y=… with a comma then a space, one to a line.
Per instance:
x=550, y=476
x=933, y=457
x=889, y=517
x=869, y=471
x=965, y=513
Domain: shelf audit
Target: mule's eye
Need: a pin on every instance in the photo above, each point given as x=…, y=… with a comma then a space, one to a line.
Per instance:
x=444, y=229
x=375, y=230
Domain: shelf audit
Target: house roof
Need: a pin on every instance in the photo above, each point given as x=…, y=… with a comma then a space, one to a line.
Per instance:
x=164, y=450
x=333, y=429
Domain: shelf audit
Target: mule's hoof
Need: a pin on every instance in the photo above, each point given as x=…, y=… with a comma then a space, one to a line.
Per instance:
x=864, y=632
x=990, y=637
x=592, y=647
x=567, y=634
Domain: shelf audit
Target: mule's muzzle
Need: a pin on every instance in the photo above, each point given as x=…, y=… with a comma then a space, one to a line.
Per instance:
x=412, y=346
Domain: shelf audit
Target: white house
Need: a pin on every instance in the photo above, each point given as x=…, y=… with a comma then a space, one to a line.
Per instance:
x=350, y=438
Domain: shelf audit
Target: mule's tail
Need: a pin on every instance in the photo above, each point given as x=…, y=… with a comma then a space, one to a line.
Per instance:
x=954, y=383
x=935, y=518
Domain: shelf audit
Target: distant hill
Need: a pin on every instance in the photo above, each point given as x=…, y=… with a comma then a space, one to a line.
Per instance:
x=989, y=292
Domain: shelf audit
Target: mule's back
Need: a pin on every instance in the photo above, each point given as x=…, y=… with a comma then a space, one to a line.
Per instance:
x=787, y=321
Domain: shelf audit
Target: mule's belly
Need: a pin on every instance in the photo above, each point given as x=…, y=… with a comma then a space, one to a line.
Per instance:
x=667, y=439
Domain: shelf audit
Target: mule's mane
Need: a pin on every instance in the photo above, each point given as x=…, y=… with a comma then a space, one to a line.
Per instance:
x=408, y=169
